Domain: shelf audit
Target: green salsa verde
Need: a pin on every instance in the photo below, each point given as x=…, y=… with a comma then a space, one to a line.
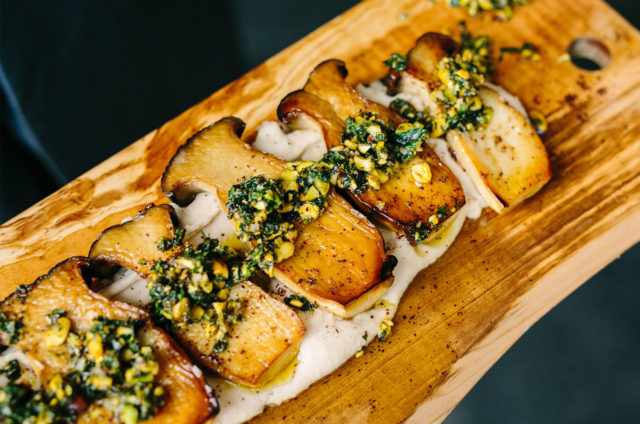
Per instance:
x=266, y=210
x=503, y=9
x=195, y=287
x=109, y=372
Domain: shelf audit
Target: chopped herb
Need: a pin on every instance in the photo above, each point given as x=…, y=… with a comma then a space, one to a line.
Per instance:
x=165, y=243
x=385, y=329
x=397, y=62
x=12, y=327
x=408, y=140
x=420, y=232
x=195, y=287
x=365, y=336
x=22, y=404
x=11, y=370
x=409, y=112
x=461, y=76
x=266, y=210
x=299, y=302
x=371, y=151
x=52, y=318
x=478, y=56
x=221, y=345
x=108, y=367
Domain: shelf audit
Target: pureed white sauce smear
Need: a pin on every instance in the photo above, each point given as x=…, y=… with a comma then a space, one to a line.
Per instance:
x=329, y=340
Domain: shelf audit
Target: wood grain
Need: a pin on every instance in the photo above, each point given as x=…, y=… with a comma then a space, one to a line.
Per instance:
x=502, y=274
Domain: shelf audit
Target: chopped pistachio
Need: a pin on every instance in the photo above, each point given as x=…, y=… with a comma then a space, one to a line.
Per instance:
x=125, y=372
x=421, y=173
x=57, y=334
x=538, y=121
x=385, y=329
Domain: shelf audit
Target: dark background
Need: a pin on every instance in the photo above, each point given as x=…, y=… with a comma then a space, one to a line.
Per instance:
x=81, y=80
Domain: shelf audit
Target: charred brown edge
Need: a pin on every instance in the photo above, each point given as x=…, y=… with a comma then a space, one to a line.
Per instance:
x=105, y=267
x=389, y=264
x=285, y=117
x=393, y=77
x=448, y=44
x=392, y=81
x=239, y=127
x=500, y=199
x=23, y=290
x=342, y=67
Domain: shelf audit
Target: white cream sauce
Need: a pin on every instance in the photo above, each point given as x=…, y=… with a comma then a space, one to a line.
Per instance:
x=329, y=340
x=296, y=145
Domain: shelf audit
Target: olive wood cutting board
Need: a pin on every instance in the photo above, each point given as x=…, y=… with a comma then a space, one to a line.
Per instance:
x=502, y=274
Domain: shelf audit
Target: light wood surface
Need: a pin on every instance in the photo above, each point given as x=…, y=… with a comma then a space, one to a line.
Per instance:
x=502, y=274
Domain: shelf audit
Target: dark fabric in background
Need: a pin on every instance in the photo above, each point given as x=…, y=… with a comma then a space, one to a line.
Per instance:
x=81, y=80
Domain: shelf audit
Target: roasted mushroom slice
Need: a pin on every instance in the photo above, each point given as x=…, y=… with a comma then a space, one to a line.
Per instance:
x=409, y=201
x=257, y=347
x=506, y=160
x=339, y=260
x=422, y=63
x=83, y=357
x=327, y=81
x=139, y=243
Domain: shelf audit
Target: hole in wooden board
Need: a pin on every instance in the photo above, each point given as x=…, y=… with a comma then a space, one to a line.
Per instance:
x=589, y=54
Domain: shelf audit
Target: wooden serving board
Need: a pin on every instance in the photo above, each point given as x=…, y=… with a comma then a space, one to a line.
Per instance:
x=501, y=275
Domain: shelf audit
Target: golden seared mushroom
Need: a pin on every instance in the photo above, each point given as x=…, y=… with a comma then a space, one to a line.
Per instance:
x=153, y=235
x=338, y=260
x=259, y=347
x=84, y=357
x=423, y=60
x=253, y=349
x=327, y=81
x=506, y=159
x=418, y=197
